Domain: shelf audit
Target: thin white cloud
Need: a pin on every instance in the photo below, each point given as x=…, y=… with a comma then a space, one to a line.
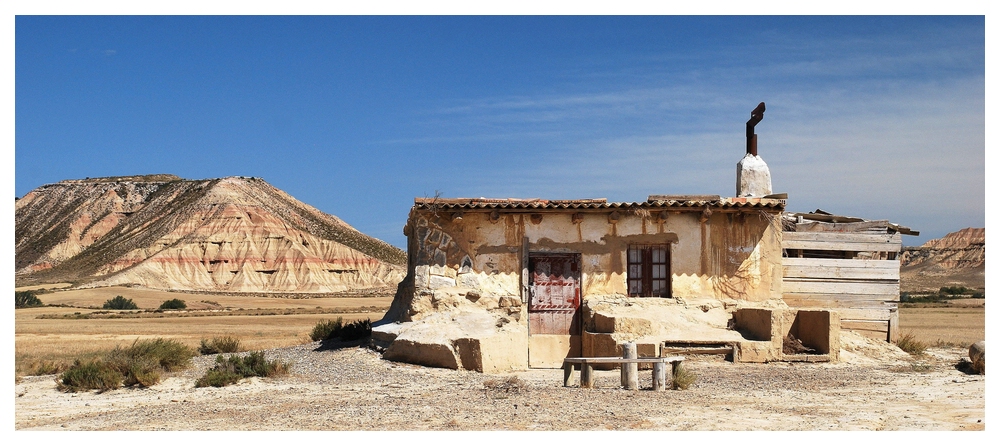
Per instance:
x=884, y=150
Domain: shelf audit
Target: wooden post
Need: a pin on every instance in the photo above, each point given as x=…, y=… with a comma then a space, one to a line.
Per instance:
x=892, y=334
x=659, y=376
x=567, y=374
x=630, y=371
x=586, y=376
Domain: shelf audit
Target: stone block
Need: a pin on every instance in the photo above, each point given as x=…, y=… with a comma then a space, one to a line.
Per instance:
x=421, y=274
x=434, y=282
x=431, y=354
x=470, y=280
x=548, y=351
x=504, y=352
x=756, y=351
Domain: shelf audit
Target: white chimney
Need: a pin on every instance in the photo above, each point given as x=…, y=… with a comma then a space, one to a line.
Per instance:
x=753, y=179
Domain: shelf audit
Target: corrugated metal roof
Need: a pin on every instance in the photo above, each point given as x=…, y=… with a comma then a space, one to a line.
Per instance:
x=598, y=203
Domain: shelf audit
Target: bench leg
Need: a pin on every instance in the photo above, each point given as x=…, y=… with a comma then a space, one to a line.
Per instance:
x=659, y=376
x=630, y=371
x=586, y=376
x=567, y=374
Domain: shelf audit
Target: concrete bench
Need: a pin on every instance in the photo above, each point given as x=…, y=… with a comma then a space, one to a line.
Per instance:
x=587, y=370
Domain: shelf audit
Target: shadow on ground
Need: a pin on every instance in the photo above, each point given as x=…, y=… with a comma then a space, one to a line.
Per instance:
x=337, y=344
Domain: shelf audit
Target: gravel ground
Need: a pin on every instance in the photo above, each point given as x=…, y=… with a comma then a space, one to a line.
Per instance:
x=353, y=389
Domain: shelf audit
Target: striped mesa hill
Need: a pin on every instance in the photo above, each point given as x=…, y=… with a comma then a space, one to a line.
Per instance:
x=957, y=259
x=234, y=234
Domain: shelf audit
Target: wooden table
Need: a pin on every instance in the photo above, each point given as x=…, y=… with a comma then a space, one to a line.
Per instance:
x=587, y=369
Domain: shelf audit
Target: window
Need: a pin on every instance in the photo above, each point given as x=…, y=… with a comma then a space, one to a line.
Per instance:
x=649, y=270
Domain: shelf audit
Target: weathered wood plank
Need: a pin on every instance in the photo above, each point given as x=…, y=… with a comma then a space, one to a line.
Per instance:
x=616, y=360
x=699, y=351
x=842, y=227
x=859, y=304
x=844, y=263
x=893, y=334
x=877, y=300
x=836, y=272
x=880, y=326
x=819, y=287
x=864, y=314
x=841, y=246
x=845, y=237
x=808, y=268
x=525, y=279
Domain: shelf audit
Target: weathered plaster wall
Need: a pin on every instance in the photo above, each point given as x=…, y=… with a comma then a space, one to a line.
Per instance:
x=471, y=262
x=722, y=254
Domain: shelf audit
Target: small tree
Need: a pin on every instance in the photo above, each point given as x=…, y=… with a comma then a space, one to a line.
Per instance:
x=173, y=304
x=25, y=299
x=120, y=303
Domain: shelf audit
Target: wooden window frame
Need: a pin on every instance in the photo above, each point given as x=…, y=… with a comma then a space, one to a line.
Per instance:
x=641, y=261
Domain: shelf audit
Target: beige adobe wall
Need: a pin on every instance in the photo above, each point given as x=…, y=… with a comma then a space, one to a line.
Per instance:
x=467, y=264
x=726, y=255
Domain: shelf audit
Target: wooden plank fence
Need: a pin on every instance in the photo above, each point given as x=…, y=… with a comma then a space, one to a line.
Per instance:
x=864, y=292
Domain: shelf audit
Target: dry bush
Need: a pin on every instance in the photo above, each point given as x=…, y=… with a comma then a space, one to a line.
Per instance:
x=138, y=365
x=497, y=387
x=909, y=344
x=221, y=344
x=683, y=378
x=231, y=369
x=42, y=367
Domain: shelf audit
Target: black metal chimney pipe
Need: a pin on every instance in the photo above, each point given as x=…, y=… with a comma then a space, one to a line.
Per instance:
x=755, y=116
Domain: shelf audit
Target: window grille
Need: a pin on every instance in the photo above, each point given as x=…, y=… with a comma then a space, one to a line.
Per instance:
x=649, y=270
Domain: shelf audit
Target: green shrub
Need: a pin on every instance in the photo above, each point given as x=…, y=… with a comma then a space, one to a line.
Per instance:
x=137, y=365
x=173, y=304
x=230, y=369
x=953, y=290
x=26, y=299
x=223, y=344
x=90, y=375
x=909, y=344
x=120, y=303
x=218, y=378
x=325, y=329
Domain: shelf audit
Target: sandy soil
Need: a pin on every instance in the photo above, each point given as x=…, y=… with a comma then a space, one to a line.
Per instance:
x=875, y=387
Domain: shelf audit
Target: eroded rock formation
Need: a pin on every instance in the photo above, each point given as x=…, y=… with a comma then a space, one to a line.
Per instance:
x=957, y=258
x=230, y=234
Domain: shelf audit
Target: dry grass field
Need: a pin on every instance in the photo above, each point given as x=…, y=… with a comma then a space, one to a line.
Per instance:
x=80, y=329
x=960, y=323
x=60, y=334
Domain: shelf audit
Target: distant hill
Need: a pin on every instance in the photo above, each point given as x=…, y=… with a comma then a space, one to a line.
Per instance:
x=957, y=259
x=233, y=234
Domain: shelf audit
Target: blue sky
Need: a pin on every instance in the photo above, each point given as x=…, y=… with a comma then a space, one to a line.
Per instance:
x=877, y=117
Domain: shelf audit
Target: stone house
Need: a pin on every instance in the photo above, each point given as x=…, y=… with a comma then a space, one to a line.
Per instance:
x=509, y=284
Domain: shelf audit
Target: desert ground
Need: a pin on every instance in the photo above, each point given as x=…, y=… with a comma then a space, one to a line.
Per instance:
x=875, y=387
